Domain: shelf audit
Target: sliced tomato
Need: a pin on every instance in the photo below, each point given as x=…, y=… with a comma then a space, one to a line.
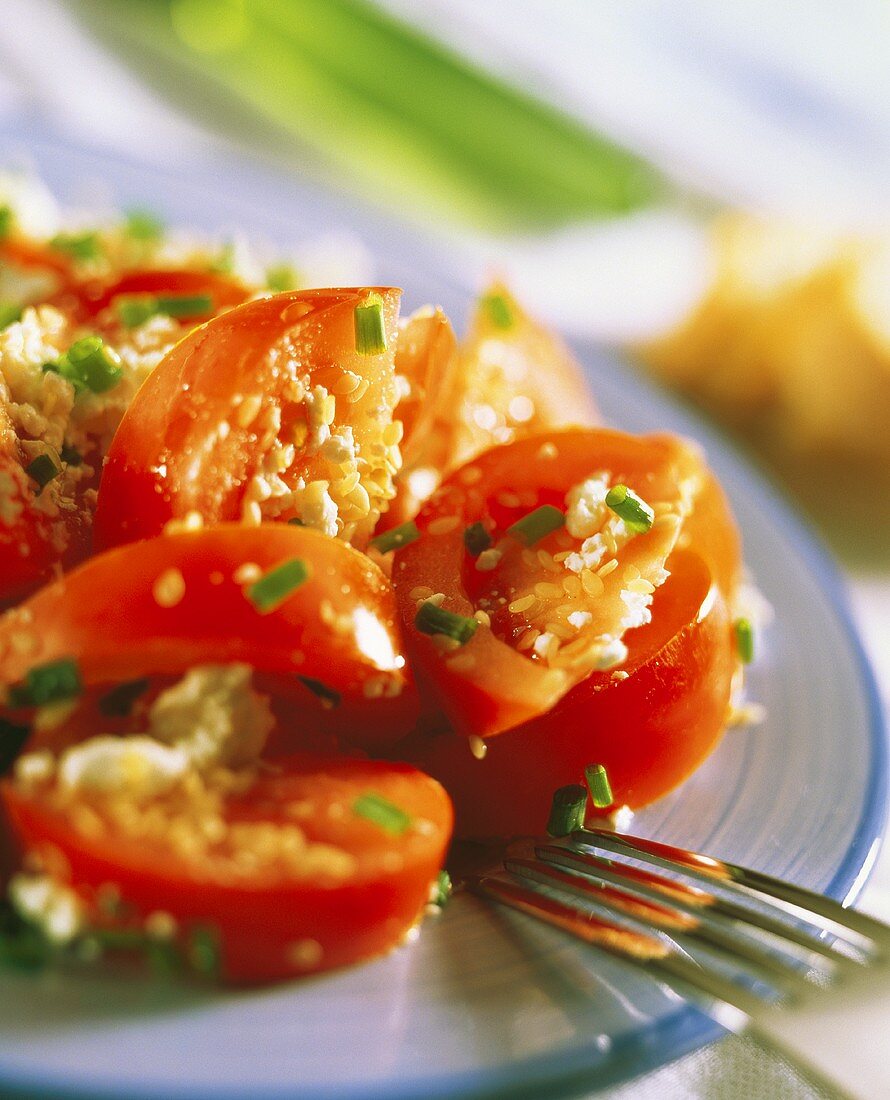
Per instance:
x=499, y=678
x=297, y=880
x=651, y=728
x=225, y=419
x=167, y=604
x=222, y=290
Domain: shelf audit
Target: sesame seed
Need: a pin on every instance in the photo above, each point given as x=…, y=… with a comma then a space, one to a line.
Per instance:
x=169, y=588
x=247, y=573
x=522, y=604
x=248, y=409
x=609, y=567
x=443, y=525
x=305, y=954
x=478, y=747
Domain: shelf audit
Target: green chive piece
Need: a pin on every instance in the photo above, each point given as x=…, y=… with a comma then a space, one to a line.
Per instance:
x=6, y=220
x=635, y=512
x=274, y=587
x=498, y=311
x=89, y=364
x=136, y=311
x=370, y=330
x=183, y=305
x=281, y=277
x=744, y=640
x=567, y=810
x=143, y=225
x=476, y=539
x=396, y=537
x=599, y=786
x=70, y=456
x=10, y=312
x=119, y=702
x=329, y=697
x=203, y=950
x=54, y=682
x=42, y=469
x=79, y=246
x=374, y=807
x=436, y=620
x=12, y=741
x=442, y=890
x=537, y=524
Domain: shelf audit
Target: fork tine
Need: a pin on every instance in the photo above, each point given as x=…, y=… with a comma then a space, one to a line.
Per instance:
x=705, y=906
x=729, y=1004
x=683, y=932
x=823, y=912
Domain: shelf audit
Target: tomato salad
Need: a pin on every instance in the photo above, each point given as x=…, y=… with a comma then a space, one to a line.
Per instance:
x=296, y=590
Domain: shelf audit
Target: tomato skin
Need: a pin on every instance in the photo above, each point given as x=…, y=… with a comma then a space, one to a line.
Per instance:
x=650, y=730
x=490, y=686
x=339, y=627
x=170, y=455
x=261, y=918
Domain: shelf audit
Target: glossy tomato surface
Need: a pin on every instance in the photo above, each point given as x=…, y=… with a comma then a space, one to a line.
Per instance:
x=164, y=605
x=353, y=890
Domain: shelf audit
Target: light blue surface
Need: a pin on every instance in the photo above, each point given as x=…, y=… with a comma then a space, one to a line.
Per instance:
x=483, y=1004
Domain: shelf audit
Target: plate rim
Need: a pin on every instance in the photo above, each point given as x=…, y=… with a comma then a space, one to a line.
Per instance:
x=565, y=1072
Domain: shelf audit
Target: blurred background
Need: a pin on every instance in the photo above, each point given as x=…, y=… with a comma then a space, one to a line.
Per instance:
x=703, y=187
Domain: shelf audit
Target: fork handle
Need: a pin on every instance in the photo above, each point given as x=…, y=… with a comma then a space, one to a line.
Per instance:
x=841, y=1038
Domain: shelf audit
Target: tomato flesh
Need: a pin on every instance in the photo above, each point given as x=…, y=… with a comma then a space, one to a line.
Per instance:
x=274, y=920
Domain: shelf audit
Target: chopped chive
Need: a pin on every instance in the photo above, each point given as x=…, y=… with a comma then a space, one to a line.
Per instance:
x=370, y=331
x=274, y=587
x=53, y=682
x=9, y=313
x=12, y=741
x=143, y=225
x=6, y=220
x=80, y=246
x=537, y=524
x=89, y=364
x=396, y=537
x=374, y=807
x=281, y=277
x=567, y=810
x=635, y=512
x=203, y=950
x=498, y=310
x=436, y=620
x=329, y=697
x=119, y=702
x=744, y=640
x=476, y=539
x=183, y=305
x=599, y=786
x=70, y=455
x=442, y=890
x=135, y=311
x=42, y=469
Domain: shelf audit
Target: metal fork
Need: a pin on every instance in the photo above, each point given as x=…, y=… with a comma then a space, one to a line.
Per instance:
x=790, y=967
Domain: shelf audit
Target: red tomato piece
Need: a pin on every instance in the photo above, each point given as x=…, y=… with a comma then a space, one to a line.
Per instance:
x=651, y=729
x=271, y=393
x=223, y=291
x=499, y=678
x=164, y=605
x=296, y=880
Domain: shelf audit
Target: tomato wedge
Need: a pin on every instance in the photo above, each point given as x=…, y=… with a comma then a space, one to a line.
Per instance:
x=651, y=728
x=267, y=411
x=296, y=877
x=164, y=605
x=551, y=612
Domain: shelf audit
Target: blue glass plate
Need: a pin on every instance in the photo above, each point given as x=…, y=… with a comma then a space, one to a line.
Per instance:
x=483, y=1003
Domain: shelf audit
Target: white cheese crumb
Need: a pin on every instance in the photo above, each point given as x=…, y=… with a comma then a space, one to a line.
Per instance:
x=56, y=910
x=318, y=509
x=137, y=765
x=213, y=716
x=586, y=506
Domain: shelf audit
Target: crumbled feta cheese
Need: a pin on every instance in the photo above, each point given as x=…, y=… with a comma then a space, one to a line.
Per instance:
x=318, y=509
x=137, y=765
x=610, y=652
x=213, y=716
x=639, y=610
x=586, y=506
x=34, y=767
